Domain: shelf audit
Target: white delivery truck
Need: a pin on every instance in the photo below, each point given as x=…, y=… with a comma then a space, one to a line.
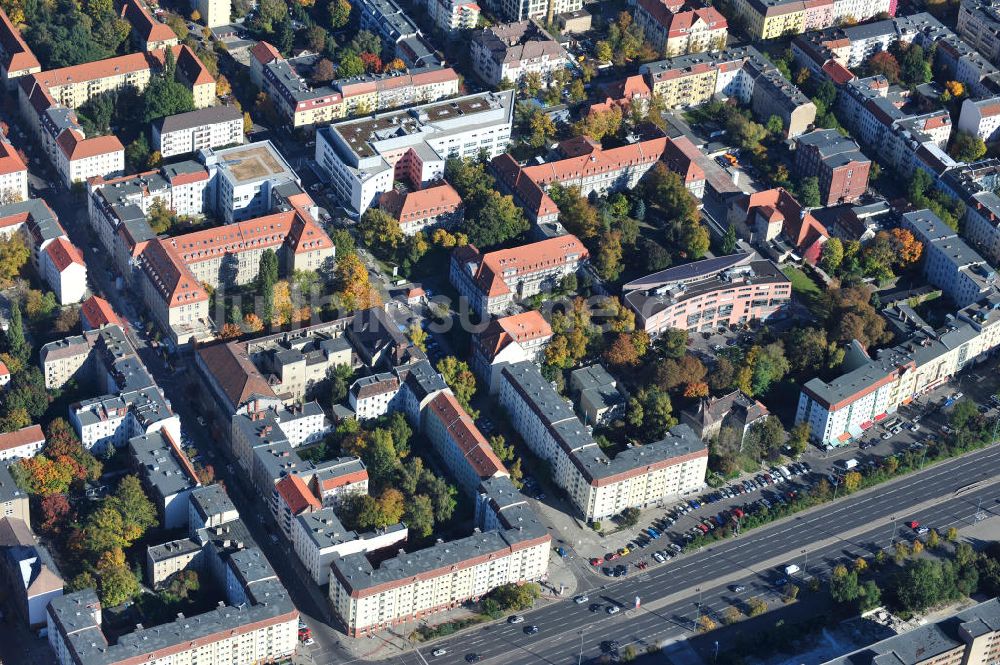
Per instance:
x=791, y=569
x=847, y=465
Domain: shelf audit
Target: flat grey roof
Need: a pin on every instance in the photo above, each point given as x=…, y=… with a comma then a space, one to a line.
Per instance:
x=207, y=116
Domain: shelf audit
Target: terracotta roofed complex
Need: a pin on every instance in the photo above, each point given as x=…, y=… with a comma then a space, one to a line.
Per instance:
x=491, y=281
x=438, y=205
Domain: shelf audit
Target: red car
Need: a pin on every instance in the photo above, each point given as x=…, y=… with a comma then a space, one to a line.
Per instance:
x=611, y=556
x=913, y=525
x=595, y=561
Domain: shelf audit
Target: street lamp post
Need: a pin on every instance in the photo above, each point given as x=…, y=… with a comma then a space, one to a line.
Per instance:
x=579, y=658
x=892, y=541
x=805, y=563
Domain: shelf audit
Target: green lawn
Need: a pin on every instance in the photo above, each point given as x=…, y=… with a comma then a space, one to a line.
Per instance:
x=803, y=285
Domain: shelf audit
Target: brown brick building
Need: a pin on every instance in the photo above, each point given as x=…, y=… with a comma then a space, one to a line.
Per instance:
x=838, y=164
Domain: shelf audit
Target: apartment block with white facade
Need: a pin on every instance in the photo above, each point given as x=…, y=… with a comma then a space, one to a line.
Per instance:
x=598, y=486
x=13, y=173
x=981, y=117
x=363, y=157
x=521, y=10
x=166, y=473
x=511, y=51
x=187, y=133
x=132, y=404
x=949, y=263
x=842, y=410
x=370, y=597
x=319, y=537
x=25, y=442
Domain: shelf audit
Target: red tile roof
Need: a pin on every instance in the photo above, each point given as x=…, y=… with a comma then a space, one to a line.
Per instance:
x=526, y=326
x=75, y=147
x=3, y=369
x=63, y=254
x=500, y=333
x=493, y=269
x=595, y=161
x=169, y=275
x=97, y=312
x=334, y=482
x=15, y=52
x=679, y=155
x=838, y=74
x=474, y=447
x=148, y=28
x=10, y=161
x=22, y=437
x=296, y=495
x=421, y=204
x=526, y=191
x=265, y=53
x=90, y=71
x=234, y=373
x=801, y=228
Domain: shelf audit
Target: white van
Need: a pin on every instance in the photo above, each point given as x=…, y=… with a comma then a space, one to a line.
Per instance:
x=791, y=569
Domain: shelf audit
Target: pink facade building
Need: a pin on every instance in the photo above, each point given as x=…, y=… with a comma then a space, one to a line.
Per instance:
x=700, y=296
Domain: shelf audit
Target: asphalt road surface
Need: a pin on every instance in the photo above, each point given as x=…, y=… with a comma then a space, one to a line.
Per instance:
x=560, y=624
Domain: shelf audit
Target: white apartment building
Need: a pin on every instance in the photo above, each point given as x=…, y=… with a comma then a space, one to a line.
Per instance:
x=25, y=442
x=841, y=410
x=949, y=263
x=982, y=223
x=319, y=537
x=245, y=177
x=80, y=159
x=451, y=15
x=374, y=396
x=493, y=280
x=185, y=133
x=981, y=118
x=508, y=340
x=363, y=157
x=510, y=51
x=13, y=173
x=520, y=10
x=369, y=599
x=598, y=486
x=64, y=269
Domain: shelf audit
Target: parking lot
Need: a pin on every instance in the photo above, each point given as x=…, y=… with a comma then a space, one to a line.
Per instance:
x=628, y=551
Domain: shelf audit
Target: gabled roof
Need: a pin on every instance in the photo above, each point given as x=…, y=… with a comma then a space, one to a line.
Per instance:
x=265, y=53
x=475, y=449
x=529, y=194
x=10, y=161
x=148, y=28
x=500, y=333
x=22, y=437
x=679, y=155
x=421, y=204
x=97, y=312
x=296, y=495
x=14, y=52
x=491, y=271
x=63, y=254
x=234, y=373
x=801, y=228
x=594, y=161
x=75, y=147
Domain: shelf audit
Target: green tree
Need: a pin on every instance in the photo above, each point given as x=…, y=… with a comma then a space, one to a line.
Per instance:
x=350, y=64
x=267, y=278
x=340, y=381
x=165, y=96
x=498, y=221
x=419, y=516
x=809, y=193
x=16, y=344
x=339, y=12
x=775, y=126
x=962, y=414
x=137, y=511
x=832, y=255
x=14, y=255
x=966, y=147
x=609, y=256
x=729, y=240
x=380, y=231
x=460, y=379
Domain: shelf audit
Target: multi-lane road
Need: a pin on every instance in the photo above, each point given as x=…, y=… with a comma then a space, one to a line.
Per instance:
x=670, y=593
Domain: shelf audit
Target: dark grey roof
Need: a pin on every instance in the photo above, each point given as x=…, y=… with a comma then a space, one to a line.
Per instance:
x=8, y=488
x=207, y=116
x=171, y=549
x=692, y=270
x=211, y=500
x=925, y=643
x=160, y=466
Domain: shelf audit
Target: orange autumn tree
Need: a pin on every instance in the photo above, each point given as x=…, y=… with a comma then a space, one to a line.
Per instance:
x=907, y=248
